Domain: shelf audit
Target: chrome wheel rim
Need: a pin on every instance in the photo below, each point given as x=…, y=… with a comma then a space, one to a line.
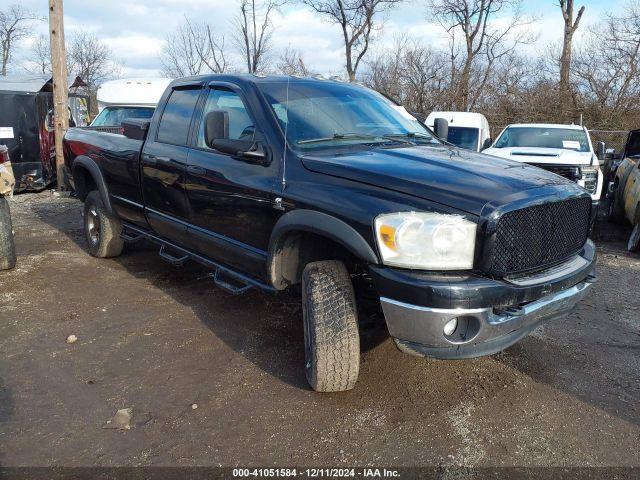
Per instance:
x=93, y=225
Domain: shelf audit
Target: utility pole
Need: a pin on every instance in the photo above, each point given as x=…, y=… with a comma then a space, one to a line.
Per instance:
x=60, y=83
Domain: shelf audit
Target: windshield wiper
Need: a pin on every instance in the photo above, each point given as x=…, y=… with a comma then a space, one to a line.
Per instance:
x=340, y=136
x=411, y=135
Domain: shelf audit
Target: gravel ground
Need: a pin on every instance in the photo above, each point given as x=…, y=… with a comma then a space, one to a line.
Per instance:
x=158, y=340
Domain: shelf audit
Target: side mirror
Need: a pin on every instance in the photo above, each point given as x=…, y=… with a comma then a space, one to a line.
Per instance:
x=246, y=150
x=487, y=143
x=441, y=128
x=601, y=150
x=216, y=126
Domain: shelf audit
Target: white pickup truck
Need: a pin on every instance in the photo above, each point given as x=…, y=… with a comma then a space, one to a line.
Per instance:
x=562, y=149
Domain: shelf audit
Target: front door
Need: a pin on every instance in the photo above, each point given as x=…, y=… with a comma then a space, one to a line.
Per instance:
x=164, y=160
x=231, y=199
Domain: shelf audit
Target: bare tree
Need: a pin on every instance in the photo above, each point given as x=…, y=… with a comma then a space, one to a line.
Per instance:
x=14, y=26
x=91, y=60
x=193, y=48
x=358, y=22
x=411, y=73
x=477, y=42
x=40, y=56
x=254, y=31
x=610, y=91
x=292, y=63
x=570, y=27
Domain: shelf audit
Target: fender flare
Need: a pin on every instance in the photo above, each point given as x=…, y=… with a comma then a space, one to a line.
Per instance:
x=92, y=167
x=322, y=224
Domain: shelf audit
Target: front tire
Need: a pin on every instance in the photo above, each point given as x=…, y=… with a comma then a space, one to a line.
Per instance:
x=331, y=339
x=7, y=246
x=102, y=231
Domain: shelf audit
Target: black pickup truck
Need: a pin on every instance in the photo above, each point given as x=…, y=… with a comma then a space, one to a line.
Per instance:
x=276, y=182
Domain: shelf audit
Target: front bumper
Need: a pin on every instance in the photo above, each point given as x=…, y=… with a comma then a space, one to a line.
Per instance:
x=491, y=314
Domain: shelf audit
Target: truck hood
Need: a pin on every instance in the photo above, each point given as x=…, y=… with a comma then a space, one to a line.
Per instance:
x=556, y=156
x=456, y=178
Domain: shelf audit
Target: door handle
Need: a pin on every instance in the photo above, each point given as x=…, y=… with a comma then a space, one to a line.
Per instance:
x=195, y=170
x=153, y=160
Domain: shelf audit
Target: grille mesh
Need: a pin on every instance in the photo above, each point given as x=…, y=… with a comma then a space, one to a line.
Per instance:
x=537, y=236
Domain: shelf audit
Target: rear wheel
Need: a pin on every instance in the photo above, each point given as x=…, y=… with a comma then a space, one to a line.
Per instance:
x=331, y=339
x=102, y=231
x=7, y=246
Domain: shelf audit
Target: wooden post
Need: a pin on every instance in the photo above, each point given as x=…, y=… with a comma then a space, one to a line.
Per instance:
x=60, y=83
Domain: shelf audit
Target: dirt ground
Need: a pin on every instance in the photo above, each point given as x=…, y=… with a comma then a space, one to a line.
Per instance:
x=159, y=339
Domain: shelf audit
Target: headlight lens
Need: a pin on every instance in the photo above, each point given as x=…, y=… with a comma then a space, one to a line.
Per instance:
x=589, y=179
x=427, y=241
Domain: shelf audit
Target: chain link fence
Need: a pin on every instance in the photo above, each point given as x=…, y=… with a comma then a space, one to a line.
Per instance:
x=612, y=138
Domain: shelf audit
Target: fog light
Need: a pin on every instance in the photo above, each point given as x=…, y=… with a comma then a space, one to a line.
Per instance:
x=450, y=327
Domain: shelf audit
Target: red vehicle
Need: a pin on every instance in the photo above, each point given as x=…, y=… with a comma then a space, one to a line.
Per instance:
x=7, y=249
x=26, y=126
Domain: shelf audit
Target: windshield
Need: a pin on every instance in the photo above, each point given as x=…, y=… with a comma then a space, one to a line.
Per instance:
x=319, y=115
x=464, y=137
x=564, y=138
x=113, y=116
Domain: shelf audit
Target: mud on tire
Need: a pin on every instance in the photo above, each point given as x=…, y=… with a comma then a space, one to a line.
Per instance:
x=101, y=230
x=7, y=247
x=332, y=343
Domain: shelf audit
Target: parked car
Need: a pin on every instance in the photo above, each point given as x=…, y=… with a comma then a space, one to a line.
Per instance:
x=468, y=130
x=275, y=182
x=7, y=182
x=562, y=149
x=624, y=190
x=127, y=98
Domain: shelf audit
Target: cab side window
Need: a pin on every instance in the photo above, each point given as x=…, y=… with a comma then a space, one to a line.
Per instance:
x=176, y=117
x=240, y=123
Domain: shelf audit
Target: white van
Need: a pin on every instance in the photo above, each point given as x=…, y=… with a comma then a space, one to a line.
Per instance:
x=562, y=149
x=467, y=130
x=128, y=98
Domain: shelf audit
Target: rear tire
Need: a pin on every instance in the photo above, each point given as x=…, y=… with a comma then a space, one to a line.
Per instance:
x=331, y=339
x=7, y=246
x=101, y=230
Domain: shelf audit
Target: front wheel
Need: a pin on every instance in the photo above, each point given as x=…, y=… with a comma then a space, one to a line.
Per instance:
x=7, y=246
x=331, y=339
x=101, y=230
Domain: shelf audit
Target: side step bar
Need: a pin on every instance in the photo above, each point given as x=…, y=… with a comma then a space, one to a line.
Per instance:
x=224, y=277
x=127, y=237
x=167, y=257
x=221, y=282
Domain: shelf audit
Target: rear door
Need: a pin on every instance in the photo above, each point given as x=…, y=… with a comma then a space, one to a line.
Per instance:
x=164, y=161
x=231, y=199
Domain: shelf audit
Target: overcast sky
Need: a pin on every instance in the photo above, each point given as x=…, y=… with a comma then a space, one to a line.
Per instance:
x=135, y=30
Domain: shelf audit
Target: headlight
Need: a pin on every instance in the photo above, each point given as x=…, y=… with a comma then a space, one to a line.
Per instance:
x=589, y=179
x=427, y=241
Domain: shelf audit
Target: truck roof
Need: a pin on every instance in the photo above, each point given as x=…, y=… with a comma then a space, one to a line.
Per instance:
x=459, y=119
x=257, y=78
x=132, y=91
x=546, y=125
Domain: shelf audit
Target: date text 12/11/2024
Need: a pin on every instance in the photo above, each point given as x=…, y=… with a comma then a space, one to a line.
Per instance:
x=315, y=473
